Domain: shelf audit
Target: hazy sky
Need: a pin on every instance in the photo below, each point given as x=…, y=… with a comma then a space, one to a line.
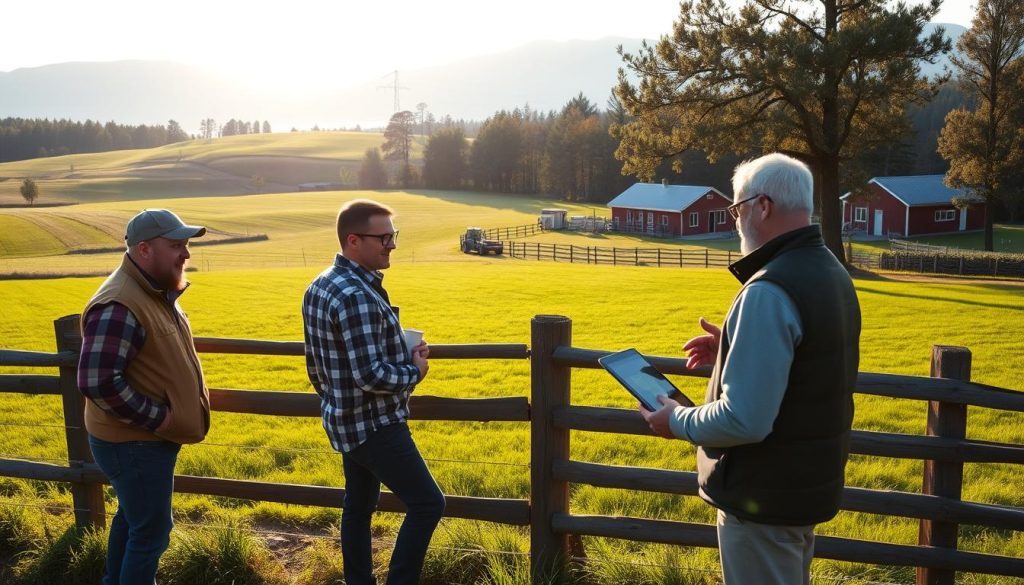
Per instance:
x=317, y=43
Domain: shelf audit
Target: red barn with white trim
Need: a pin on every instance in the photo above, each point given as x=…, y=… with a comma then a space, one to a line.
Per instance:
x=911, y=206
x=671, y=210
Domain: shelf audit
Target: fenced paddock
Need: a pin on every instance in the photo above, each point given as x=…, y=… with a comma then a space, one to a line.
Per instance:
x=660, y=257
x=906, y=256
x=513, y=232
x=551, y=416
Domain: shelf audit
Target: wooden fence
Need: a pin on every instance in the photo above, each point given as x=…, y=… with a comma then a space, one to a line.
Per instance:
x=910, y=256
x=552, y=416
x=960, y=264
x=660, y=257
x=513, y=232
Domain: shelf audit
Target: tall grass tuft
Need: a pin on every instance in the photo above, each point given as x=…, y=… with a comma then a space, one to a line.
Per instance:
x=609, y=564
x=321, y=564
x=74, y=557
x=220, y=555
x=19, y=531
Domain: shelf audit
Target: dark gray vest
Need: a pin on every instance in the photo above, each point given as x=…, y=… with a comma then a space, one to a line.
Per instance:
x=795, y=476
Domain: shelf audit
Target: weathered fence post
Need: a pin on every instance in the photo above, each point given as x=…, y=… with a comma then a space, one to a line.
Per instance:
x=549, y=389
x=87, y=497
x=944, y=478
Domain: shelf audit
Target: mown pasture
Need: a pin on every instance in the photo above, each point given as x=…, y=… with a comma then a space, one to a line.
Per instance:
x=299, y=225
x=195, y=168
x=465, y=299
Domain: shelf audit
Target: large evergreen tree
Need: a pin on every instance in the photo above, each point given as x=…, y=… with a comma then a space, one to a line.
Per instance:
x=371, y=173
x=497, y=154
x=821, y=80
x=985, y=147
x=398, y=141
x=444, y=161
x=174, y=132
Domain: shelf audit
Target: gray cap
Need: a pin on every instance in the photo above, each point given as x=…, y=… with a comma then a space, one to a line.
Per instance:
x=155, y=223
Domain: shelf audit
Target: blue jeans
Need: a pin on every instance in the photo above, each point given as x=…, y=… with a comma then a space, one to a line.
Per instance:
x=390, y=457
x=142, y=473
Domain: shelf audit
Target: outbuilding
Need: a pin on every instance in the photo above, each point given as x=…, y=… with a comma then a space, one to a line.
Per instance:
x=671, y=210
x=912, y=206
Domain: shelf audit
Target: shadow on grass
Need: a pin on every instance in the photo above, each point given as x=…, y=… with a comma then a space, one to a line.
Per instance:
x=948, y=299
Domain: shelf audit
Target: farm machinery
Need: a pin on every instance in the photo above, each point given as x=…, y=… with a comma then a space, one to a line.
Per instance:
x=473, y=241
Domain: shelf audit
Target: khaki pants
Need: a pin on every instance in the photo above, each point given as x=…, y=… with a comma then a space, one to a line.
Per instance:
x=764, y=554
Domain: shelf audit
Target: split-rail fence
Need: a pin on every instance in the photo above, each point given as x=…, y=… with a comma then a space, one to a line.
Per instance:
x=551, y=415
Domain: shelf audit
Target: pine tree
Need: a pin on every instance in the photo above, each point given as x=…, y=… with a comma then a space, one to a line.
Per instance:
x=820, y=81
x=985, y=147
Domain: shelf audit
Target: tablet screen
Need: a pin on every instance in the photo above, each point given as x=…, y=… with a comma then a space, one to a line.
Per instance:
x=641, y=378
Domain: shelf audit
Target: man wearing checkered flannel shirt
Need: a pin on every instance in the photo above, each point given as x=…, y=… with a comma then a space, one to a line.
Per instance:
x=360, y=365
x=144, y=383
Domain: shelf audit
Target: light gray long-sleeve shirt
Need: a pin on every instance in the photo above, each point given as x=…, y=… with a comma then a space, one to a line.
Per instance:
x=764, y=329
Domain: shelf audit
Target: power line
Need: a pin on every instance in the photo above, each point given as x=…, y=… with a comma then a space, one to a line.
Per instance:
x=397, y=88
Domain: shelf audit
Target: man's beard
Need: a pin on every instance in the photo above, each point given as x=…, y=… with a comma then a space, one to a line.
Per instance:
x=170, y=279
x=750, y=237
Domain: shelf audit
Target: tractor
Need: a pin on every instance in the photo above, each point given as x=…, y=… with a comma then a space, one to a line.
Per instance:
x=473, y=241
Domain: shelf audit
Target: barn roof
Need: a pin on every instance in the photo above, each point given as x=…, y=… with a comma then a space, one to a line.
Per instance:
x=661, y=197
x=920, y=189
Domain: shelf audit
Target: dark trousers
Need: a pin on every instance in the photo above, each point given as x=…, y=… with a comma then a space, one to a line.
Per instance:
x=388, y=457
x=142, y=474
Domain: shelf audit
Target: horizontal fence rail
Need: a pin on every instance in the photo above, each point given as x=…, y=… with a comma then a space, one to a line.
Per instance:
x=552, y=416
x=660, y=257
x=513, y=232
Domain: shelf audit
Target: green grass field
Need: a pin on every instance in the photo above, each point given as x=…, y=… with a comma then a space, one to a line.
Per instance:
x=253, y=290
x=300, y=227
x=221, y=166
x=465, y=299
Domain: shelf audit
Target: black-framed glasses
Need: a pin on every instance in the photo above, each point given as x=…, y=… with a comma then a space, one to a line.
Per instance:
x=385, y=239
x=734, y=209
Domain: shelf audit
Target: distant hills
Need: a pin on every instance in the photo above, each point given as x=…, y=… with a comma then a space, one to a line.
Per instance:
x=543, y=74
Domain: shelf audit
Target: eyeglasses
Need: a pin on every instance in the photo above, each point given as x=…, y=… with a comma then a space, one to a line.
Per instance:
x=385, y=239
x=734, y=209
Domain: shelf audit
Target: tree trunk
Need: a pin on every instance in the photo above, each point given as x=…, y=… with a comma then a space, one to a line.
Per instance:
x=828, y=171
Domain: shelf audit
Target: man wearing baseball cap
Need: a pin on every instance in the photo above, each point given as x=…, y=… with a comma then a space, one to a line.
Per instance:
x=145, y=389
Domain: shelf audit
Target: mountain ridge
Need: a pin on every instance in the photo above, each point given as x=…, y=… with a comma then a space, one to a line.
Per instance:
x=542, y=74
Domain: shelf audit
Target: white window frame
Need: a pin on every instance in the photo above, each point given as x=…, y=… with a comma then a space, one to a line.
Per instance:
x=720, y=216
x=945, y=215
x=629, y=216
x=694, y=219
x=664, y=220
x=860, y=215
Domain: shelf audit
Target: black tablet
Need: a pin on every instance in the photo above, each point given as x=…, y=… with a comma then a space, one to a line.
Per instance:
x=641, y=378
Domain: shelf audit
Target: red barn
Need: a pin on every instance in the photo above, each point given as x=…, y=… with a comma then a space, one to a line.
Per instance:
x=911, y=206
x=671, y=210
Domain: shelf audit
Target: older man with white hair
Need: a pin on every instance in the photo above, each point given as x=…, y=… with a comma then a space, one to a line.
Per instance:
x=773, y=433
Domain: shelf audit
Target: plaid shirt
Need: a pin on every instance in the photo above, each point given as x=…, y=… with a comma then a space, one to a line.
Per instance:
x=356, y=356
x=112, y=338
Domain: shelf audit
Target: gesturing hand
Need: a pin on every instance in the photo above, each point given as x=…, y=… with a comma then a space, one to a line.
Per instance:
x=703, y=350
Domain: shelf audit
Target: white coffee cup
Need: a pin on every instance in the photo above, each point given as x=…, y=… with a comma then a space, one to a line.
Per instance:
x=413, y=337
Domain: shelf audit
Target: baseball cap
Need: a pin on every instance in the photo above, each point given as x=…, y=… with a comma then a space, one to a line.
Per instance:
x=155, y=223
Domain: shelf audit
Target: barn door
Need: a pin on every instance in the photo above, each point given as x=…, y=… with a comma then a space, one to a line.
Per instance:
x=878, y=222
x=963, y=219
